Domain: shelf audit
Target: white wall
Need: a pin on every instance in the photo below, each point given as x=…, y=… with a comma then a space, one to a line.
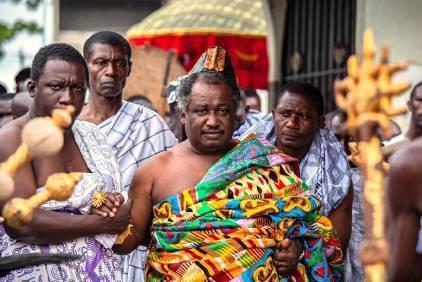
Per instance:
x=396, y=24
x=28, y=43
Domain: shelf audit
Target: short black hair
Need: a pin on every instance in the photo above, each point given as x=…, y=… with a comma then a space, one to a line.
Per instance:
x=23, y=75
x=210, y=77
x=3, y=88
x=249, y=93
x=413, y=92
x=107, y=38
x=59, y=51
x=341, y=114
x=307, y=90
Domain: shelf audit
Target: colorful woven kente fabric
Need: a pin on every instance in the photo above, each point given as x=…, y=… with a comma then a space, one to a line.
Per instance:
x=227, y=227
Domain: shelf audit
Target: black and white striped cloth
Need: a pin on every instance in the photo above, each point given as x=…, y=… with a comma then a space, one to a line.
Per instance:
x=353, y=268
x=136, y=133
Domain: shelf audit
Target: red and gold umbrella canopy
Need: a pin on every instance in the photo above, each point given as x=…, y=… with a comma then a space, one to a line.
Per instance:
x=190, y=27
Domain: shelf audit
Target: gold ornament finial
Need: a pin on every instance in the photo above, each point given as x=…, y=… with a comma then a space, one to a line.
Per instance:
x=40, y=137
x=366, y=96
x=59, y=187
x=98, y=198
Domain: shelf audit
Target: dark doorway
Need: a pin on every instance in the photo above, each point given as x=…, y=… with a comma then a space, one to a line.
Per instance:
x=319, y=37
x=96, y=15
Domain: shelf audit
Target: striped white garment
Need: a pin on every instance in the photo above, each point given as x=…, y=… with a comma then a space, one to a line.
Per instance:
x=353, y=269
x=252, y=118
x=136, y=133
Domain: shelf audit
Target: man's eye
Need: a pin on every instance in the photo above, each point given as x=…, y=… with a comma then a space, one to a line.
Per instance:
x=101, y=63
x=284, y=113
x=55, y=87
x=303, y=116
x=223, y=111
x=79, y=88
x=200, y=111
x=121, y=64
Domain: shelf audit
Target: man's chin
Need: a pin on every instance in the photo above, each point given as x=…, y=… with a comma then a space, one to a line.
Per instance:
x=214, y=146
x=289, y=140
x=289, y=143
x=111, y=92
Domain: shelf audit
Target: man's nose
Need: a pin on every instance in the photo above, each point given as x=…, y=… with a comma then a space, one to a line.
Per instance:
x=292, y=121
x=212, y=119
x=65, y=96
x=111, y=69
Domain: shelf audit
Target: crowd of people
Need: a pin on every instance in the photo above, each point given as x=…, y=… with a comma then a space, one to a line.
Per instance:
x=215, y=191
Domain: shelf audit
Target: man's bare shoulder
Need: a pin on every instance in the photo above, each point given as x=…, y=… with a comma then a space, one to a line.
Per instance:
x=164, y=158
x=405, y=172
x=16, y=124
x=11, y=134
x=410, y=157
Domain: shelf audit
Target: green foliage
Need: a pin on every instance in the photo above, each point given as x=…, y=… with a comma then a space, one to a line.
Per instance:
x=30, y=4
x=8, y=31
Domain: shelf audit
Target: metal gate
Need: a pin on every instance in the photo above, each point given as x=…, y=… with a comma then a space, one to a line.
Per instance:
x=319, y=37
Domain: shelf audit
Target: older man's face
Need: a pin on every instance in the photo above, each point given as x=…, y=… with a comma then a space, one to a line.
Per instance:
x=296, y=121
x=209, y=120
x=108, y=66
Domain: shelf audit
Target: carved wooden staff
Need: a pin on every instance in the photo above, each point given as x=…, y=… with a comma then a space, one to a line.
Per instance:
x=59, y=187
x=40, y=137
x=366, y=96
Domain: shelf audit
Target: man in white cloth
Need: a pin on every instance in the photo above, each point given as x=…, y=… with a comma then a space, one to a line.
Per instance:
x=135, y=132
x=59, y=78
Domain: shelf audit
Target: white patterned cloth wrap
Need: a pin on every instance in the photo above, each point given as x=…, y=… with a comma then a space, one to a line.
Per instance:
x=98, y=262
x=353, y=269
x=136, y=133
x=324, y=168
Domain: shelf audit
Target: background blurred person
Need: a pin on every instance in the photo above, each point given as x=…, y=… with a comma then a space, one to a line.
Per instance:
x=252, y=100
x=21, y=79
x=20, y=104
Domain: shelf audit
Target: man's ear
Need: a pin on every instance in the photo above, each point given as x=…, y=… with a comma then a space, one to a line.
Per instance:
x=30, y=86
x=322, y=123
x=409, y=105
x=247, y=108
x=183, y=117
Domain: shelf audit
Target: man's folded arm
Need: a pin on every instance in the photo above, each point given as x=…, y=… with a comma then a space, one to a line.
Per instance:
x=141, y=213
x=341, y=218
x=49, y=227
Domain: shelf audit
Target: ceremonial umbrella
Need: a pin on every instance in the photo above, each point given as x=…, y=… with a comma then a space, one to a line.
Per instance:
x=190, y=27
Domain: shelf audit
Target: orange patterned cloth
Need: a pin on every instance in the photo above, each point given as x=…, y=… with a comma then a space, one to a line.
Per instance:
x=228, y=226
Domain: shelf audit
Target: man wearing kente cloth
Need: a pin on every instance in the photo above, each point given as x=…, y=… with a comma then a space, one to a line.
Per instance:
x=216, y=210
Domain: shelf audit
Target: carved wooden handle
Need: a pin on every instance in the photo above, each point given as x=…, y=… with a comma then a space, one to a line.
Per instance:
x=59, y=186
